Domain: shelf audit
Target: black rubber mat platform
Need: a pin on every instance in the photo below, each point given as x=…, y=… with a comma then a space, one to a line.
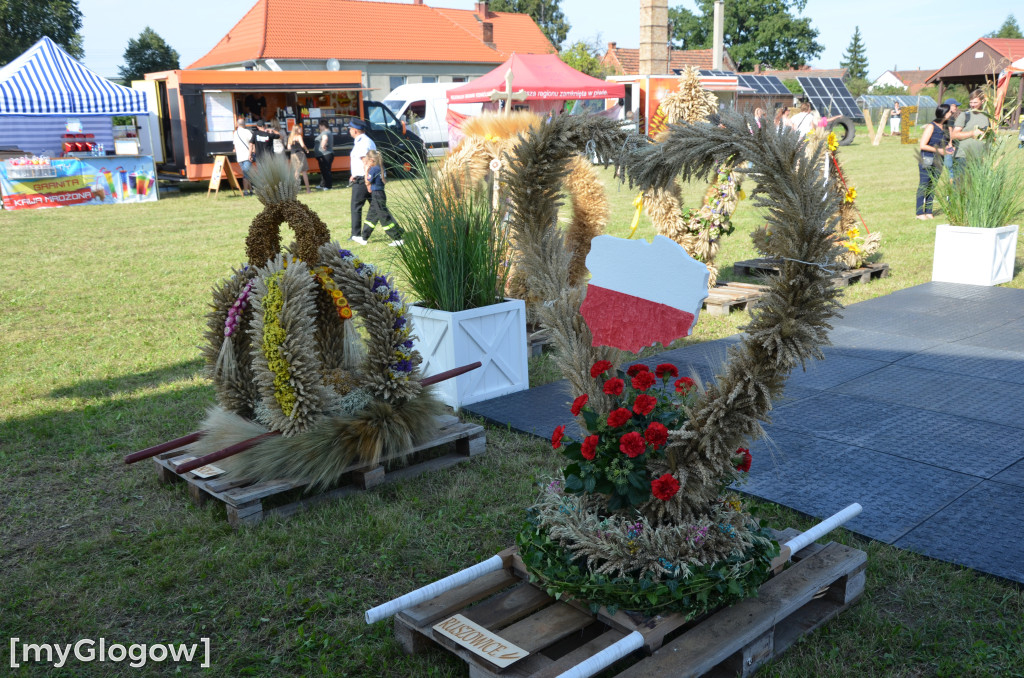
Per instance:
x=917, y=413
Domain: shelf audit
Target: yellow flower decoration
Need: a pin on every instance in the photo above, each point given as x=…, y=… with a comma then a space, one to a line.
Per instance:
x=851, y=194
x=833, y=142
x=853, y=233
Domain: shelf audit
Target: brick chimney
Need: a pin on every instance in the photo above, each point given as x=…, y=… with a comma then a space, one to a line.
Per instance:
x=482, y=11
x=611, y=46
x=417, y=2
x=488, y=33
x=653, y=37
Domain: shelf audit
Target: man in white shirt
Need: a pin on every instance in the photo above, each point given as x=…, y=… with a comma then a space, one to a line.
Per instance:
x=244, y=151
x=360, y=195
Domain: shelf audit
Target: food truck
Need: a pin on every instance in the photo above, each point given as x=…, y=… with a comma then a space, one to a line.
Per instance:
x=194, y=116
x=645, y=92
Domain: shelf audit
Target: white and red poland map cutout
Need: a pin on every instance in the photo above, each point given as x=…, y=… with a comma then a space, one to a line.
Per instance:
x=642, y=293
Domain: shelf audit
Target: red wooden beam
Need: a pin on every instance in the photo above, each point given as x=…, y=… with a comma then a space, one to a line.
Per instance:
x=162, y=447
x=449, y=374
x=226, y=452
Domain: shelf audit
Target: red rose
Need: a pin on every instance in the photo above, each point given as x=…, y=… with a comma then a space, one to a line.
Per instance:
x=614, y=386
x=578, y=404
x=665, y=487
x=656, y=434
x=644, y=381
x=617, y=418
x=556, y=437
x=644, y=404
x=589, y=448
x=684, y=385
x=599, y=368
x=745, y=459
x=666, y=369
x=632, y=444
x=637, y=369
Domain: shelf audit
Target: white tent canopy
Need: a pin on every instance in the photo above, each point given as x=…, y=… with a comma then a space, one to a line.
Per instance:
x=45, y=80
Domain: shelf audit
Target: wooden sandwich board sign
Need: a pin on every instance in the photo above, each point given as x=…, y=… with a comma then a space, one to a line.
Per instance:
x=220, y=165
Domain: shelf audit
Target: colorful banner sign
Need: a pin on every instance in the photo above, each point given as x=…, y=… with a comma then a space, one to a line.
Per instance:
x=101, y=180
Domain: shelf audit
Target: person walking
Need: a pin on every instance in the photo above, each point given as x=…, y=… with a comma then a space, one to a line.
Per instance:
x=245, y=152
x=325, y=156
x=297, y=150
x=968, y=129
x=361, y=144
x=930, y=166
x=378, y=215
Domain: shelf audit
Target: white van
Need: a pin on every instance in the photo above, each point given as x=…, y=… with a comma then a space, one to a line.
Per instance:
x=423, y=107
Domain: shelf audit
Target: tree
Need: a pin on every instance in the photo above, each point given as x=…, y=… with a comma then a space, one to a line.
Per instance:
x=24, y=22
x=545, y=12
x=1009, y=29
x=148, y=54
x=756, y=32
x=854, y=60
x=585, y=57
x=858, y=86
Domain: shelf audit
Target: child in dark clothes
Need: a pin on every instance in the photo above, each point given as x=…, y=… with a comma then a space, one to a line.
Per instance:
x=379, y=215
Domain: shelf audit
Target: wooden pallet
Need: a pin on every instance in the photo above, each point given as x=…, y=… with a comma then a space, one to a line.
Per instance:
x=756, y=267
x=248, y=502
x=822, y=581
x=725, y=297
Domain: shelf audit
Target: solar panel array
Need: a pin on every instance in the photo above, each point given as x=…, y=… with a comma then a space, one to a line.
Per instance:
x=763, y=84
x=830, y=97
x=719, y=74
x=886, y=101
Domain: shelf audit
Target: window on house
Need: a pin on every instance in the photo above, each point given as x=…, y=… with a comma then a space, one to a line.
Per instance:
x=458, y=78
x=396, y=81
x=429, y=78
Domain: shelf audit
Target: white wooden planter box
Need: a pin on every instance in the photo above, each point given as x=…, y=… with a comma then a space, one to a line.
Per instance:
x=495, y=335
x=974, y=256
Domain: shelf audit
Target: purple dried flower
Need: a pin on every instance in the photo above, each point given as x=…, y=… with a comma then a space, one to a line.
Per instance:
x=399, y=323
x=403, y=366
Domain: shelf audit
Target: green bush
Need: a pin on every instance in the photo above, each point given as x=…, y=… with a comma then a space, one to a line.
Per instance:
x=986, y=192
x=455, y=249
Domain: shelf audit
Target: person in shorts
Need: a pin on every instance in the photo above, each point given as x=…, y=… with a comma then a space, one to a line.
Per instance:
x=245, y=152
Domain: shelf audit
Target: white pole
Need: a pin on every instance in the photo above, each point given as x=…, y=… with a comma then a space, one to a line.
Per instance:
x=429, y=591
x=606, y=657
x=822, y=528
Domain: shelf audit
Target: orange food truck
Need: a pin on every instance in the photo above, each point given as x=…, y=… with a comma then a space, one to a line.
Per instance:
x=195, y=110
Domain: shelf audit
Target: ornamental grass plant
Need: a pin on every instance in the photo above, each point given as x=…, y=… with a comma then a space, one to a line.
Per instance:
x=455, y=249
x=986, y=193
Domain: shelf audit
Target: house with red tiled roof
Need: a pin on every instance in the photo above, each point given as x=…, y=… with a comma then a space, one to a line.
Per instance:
x=912, y=81
x=980, y=63
x=626, y=61
x=392, y=43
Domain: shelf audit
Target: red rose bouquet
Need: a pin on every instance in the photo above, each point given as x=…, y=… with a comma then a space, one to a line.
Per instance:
x=613, y=459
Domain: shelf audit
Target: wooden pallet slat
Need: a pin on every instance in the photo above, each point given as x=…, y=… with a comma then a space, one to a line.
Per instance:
x=822, y=581
x=244, y=500
x=865, y=274
x=726, y=297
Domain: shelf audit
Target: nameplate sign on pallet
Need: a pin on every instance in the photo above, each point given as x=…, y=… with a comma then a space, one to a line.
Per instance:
x=479, y=640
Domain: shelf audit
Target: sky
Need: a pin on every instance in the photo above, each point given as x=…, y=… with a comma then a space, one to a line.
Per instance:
x=904, y=35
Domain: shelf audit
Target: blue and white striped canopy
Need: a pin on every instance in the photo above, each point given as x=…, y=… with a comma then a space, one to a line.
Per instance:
x=45, y=80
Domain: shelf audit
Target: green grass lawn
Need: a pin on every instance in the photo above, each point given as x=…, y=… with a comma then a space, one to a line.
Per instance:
x=101, y=311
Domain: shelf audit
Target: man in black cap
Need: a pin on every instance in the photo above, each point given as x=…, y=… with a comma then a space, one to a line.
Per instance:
x=360, y=195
